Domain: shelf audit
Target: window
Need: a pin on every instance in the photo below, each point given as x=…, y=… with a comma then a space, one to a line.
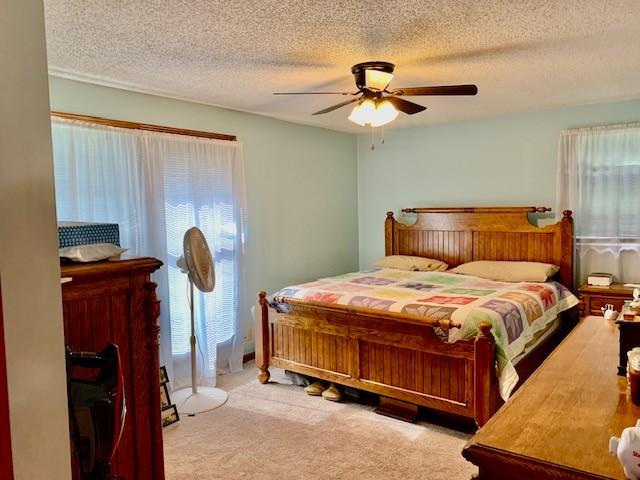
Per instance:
x=156, y=186
x=599, y=179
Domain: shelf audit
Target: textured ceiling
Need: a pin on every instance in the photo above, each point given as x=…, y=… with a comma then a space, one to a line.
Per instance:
x=523, y=55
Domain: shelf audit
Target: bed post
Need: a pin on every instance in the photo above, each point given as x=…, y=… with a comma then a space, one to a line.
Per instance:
x=566, y=260
x=262, y=338
x=484, y=374
x=389, y=247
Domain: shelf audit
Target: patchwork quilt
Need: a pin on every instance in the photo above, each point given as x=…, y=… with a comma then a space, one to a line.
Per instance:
x=517, y=311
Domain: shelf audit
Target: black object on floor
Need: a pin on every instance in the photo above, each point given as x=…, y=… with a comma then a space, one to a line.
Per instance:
x=97, y=409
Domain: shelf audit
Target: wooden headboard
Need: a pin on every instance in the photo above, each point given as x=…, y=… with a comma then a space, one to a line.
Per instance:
x=460, y=235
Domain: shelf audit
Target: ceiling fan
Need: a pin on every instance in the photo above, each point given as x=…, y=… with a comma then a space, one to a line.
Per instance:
x=378, y=105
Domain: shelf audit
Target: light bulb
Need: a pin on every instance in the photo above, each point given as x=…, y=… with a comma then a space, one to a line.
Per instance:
x=363, y=113
x=385, y=113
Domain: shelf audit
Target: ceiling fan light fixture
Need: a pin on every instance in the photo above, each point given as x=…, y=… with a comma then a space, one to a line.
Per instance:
x=373, y=113
x=377, y=80
x=363, y=112
x=385, y=113
x=376, y=105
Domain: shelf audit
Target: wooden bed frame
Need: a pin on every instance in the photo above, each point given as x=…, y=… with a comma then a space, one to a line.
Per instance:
x=399, y=356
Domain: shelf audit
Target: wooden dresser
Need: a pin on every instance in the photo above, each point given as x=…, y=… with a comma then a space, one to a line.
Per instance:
x=592, y=298
x=559, y=423
x=115, y=301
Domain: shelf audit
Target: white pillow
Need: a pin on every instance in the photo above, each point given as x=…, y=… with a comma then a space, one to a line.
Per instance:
x=408, y=262
x=508, y=271
x=91, y=252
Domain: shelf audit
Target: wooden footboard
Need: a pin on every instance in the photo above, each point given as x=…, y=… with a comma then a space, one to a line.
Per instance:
x=394, y=355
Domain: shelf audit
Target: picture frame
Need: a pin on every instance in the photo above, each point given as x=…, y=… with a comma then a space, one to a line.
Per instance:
x=170, y=416
x=165, y=400
x=164, y=377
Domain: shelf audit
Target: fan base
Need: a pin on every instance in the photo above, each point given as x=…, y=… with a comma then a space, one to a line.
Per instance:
x=207, y=398
x=360, y=68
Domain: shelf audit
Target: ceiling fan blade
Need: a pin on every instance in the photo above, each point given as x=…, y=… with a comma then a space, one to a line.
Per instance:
x=315, y=93
x=405, y=105
x=440, y=90
x=335, y=107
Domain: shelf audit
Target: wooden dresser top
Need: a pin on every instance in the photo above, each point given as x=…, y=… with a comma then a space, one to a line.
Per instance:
x=567, y=410
x=613, y=289
x=88, y=270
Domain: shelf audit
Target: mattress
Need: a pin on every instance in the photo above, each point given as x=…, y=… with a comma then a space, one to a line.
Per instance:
x=518, y=312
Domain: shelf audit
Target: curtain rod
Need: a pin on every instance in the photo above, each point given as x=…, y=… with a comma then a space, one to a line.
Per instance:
x=596, y=128
x=478, y=210
x=143, y=126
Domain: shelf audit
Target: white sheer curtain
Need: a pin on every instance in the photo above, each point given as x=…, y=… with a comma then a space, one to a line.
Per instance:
x=599, y=180
x=155, y=186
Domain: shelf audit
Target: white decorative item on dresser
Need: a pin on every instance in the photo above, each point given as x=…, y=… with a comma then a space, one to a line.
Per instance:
x=635, y=303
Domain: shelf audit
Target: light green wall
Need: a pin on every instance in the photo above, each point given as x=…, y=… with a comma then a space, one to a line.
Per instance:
x=301, y=181
x=317, y=198
x=509, y=160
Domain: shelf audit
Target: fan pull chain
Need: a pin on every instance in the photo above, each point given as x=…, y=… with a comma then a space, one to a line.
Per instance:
x=373, y=137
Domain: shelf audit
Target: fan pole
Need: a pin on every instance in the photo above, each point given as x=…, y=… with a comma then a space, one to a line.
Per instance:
x=194, y=372
x=197, y=263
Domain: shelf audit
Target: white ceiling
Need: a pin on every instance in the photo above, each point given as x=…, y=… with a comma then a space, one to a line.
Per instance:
x=523, y=55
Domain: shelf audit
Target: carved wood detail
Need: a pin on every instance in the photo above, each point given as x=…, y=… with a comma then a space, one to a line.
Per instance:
x=152, y=314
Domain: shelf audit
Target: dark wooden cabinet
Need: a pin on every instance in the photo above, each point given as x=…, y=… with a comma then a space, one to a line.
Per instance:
x=593, y=298
x=115, y=301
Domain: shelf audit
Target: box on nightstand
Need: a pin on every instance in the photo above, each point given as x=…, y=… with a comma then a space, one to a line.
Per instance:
x=600, y=279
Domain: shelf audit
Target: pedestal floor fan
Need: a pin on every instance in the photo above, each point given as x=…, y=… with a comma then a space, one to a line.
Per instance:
x=197, y=263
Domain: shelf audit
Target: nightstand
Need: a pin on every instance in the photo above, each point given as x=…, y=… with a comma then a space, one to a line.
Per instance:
x=592, y=298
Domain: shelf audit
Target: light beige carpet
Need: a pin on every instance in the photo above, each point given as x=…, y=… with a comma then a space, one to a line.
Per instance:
x=276, y=431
